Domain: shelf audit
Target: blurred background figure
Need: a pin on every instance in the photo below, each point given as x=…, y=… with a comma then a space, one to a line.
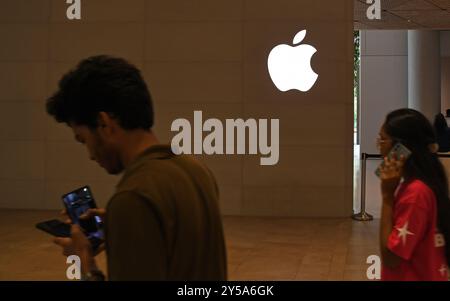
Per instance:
x=442, y=133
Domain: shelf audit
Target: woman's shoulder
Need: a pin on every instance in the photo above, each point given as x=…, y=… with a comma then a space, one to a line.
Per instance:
x=416, y=191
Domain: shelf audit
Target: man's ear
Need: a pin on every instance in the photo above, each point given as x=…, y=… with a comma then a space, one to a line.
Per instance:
x=105, y=122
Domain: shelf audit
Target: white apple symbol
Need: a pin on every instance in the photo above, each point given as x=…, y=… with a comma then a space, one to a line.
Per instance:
x=290, y=67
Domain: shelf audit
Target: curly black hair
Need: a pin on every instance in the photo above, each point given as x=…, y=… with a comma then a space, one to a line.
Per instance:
x=103, y=84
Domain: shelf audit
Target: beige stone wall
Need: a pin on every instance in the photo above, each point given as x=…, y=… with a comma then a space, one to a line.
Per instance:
x=207, y=55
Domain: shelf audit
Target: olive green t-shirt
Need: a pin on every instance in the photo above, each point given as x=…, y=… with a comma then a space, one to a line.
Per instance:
x=163, y=222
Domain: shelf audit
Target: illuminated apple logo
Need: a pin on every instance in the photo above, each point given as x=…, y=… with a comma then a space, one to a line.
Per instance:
x=290, y=67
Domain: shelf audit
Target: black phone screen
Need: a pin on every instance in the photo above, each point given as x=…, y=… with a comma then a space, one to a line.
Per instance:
x=55, y=227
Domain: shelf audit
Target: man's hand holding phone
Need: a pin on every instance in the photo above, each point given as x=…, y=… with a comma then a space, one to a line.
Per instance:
x=78, y=244
x=90, y=213
x=81, y=233
x=93, y=212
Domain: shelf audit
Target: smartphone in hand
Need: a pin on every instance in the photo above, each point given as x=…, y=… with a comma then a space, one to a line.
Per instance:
x=55, y=227
x=77, y=203
x=397, y=151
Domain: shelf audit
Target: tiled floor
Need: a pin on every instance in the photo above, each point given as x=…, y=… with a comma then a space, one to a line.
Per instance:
x=258, y=248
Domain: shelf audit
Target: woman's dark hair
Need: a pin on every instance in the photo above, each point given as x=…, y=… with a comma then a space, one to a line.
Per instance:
x=440, y=124
x=103, y=84
x=413, y=130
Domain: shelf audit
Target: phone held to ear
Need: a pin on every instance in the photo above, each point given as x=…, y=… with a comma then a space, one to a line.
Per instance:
x=397, y=151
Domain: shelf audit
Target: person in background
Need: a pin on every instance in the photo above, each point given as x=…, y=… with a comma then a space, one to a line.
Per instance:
x=442, y=133
x=163, y=221
x=415, y=217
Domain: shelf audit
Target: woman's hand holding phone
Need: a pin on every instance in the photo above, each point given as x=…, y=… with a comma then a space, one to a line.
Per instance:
x=390, y=174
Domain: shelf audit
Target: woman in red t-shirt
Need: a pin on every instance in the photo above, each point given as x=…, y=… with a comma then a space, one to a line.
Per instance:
x=415, y=217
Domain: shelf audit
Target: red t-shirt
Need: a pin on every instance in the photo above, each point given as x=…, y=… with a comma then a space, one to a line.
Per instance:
x=415, y=237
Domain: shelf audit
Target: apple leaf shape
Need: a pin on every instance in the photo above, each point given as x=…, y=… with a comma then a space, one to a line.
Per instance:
x=299, y=37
